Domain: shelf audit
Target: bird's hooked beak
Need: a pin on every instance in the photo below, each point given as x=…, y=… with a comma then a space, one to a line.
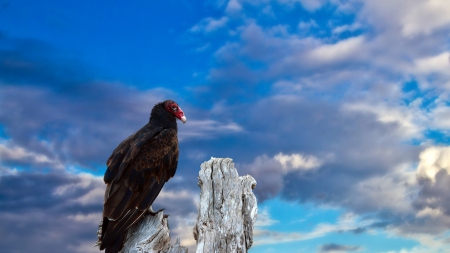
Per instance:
x=180, y=115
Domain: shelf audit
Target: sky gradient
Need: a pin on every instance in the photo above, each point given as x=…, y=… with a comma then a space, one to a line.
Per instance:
x=339, y=109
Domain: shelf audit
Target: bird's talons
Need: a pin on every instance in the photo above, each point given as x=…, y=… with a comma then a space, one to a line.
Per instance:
x=153, y=213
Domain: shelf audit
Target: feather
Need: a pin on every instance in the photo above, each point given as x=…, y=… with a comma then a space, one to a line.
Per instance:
x=114, y=200
x=120, y=208
x=137, y=170
x=108, y=177
x=130, y=218
x=151, y=196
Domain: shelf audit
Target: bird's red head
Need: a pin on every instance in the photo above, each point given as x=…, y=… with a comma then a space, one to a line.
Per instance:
x=172, y=107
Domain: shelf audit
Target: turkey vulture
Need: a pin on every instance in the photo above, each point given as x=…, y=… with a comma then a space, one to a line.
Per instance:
x=136, y=173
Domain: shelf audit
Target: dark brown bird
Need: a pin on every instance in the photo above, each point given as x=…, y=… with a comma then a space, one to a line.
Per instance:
x=136, y=173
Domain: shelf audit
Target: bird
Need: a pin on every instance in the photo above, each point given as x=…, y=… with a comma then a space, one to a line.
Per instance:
x=136, y=172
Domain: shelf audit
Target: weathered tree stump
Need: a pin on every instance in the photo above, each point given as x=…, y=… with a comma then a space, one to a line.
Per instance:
x=151, y=234
x=227, y=209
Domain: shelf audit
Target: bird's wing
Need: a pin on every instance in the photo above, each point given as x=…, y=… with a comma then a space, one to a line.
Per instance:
x=126, y=151
x=137, y=171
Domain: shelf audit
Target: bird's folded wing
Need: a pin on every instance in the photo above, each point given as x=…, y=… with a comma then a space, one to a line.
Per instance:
x=137, y=169
x=150, y=166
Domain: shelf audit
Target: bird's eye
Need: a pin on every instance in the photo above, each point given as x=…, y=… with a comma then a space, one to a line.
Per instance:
x=174, y=108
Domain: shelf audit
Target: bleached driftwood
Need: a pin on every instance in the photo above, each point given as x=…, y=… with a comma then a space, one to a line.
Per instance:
x=151, y=234
x=227, y=209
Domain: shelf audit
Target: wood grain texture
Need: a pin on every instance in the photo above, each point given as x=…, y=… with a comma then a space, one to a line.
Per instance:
x=227, y=208
x=150, y=235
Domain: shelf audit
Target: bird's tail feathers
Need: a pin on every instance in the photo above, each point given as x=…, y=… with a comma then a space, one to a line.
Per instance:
x=117, y=245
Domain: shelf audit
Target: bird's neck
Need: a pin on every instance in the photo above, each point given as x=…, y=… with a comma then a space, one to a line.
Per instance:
x=159, y=117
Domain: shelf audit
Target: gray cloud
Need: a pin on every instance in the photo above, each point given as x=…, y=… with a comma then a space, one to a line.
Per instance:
x=352, y=144
x=54, y=120
x=432, y=205
x=333, y=247
x=62, y=116
x=51, y=212
x=60, y=212
x=268, y=175
x=434, y=195
x=269, y=172
x=341, y=99
x=56, y=110
x=53, y=106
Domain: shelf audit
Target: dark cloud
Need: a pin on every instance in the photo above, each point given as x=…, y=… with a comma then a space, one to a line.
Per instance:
x=380, y=224
x=79, y=122
x=53, y=106
x=29, y=62
x=56, y=116
x=356, y=231
x=268, y=175
x=50, y=212
x=433, y=194
x=432, y=205
x=60, y=212
x=333, y=247
x=353, y=147
x=25, y=191
x=53, y=109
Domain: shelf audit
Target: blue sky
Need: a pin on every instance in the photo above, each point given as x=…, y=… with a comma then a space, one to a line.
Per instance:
x=339, y=109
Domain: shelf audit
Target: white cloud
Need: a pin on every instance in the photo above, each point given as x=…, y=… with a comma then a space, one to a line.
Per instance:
x=287, y=87
x=278, y=31
x=176, y=196
x=184, y=229
x=342, y=50
x=424, y=16
x=346, y=222
x=411, y=120
x=181, y=223
x=307, y=25
x=297, y=162
x=408, y=17
x=347, y=28
x=269, y=172
x=209, y=24
x=92, y=218
x=431, y=212
x=86, y=181
x=96, y=195
x=196, y=155
x=427, y=243
x=5, y=171
x=434, y=64
x=440, y=117
x=392, y=191
x=309, y=5
x=207, y=128
x=264, y=219
x=19, y=154
x=432, y=160
x=233, y=7
x=433, y=71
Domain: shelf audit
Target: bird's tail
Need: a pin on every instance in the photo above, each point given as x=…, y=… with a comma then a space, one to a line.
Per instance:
x=110, y=245
x=116, y=246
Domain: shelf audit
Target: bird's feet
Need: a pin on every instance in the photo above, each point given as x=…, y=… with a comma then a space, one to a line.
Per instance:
x=153, y=213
